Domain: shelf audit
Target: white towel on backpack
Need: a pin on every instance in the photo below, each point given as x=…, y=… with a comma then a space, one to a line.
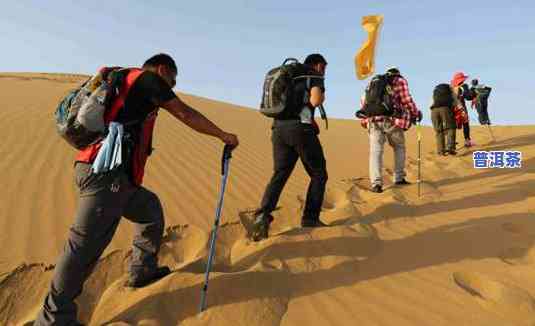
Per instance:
x=109, y=155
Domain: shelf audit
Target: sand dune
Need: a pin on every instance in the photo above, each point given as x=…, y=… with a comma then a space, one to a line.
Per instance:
x=461, y=254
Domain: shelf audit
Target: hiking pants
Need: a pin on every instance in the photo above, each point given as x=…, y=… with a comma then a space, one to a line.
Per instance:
x=445, y=127
x=466, y=126
x=466, y=130
x=379, y=133
x=103, y=199
x=290, y=142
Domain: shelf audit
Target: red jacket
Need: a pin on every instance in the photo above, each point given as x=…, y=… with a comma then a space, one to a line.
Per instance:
x=142, y=148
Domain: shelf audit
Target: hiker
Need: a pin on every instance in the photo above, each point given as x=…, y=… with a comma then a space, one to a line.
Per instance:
x=388, y=127
x=443, y=106
x=295, y=136
x=481, y=94
x=105, y=197
x=463, y=94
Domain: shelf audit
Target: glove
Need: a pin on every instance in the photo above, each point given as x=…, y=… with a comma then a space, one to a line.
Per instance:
x=419, y=117
x=360, y=114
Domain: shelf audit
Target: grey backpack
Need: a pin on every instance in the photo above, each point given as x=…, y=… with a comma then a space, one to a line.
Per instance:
x=279, y=85
x=80, y=115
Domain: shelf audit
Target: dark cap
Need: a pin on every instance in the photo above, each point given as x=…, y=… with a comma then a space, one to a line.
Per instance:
x=393, y=71
x=315, y=58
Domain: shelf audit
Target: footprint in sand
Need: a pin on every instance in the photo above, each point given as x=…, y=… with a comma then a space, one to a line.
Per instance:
x=518, y=256
x=228, y=235
x=357, y=187
x=341, y=204
x=357, y=183
x=186, y=247
x=182, y=244
x=337, y=204
x=438, y=164
x=497, y=294
x=335, y=199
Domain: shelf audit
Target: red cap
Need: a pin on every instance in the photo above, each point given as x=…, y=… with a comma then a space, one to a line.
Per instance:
x=458, y=78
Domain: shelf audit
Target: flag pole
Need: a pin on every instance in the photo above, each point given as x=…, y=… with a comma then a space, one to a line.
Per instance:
x=491, y=135
x=419, y=137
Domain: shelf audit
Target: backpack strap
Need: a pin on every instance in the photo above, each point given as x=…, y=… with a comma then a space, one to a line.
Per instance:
x=306, y=97
x=291, y=60
x=309, y=77
x=122, y=87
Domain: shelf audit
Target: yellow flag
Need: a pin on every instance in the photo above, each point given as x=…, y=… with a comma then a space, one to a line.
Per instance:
x=365, y=58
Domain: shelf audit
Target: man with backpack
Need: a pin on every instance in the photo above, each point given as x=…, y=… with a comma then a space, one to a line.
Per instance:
x=481, y=94
x=294, y=136
x=387, y=111
x=442, y=115
x=106, y=196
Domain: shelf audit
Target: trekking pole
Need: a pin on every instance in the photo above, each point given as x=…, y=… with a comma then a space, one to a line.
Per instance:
x=324, y=116
x=225, y=160
x=419, y=135
x=491, y=135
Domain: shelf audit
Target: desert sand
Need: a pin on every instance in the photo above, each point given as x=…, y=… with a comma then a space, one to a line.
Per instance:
x=461, y=254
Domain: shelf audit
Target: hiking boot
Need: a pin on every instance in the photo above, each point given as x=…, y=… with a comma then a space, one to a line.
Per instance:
x=261, y=226
x=468, y=143
x=377, y=188
x=147, y=276
x=312, y=223
x=402, y=182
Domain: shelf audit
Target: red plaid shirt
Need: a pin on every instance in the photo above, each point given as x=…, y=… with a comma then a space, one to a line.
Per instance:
x=403, y=101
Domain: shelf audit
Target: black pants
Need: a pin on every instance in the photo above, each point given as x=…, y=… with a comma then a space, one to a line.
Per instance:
x=466, y=126
x=103, y=200
x=482, y=113
x=290, y=142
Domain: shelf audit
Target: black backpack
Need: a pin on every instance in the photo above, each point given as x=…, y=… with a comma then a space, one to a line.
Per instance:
x=442, y=96
x=279, y=87
x=482, y=94
x=378, y=97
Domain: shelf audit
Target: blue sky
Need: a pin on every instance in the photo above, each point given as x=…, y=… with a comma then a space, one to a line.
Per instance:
x=224, y=48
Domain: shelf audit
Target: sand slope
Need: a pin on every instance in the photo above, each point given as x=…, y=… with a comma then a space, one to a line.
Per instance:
x=462, y=254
